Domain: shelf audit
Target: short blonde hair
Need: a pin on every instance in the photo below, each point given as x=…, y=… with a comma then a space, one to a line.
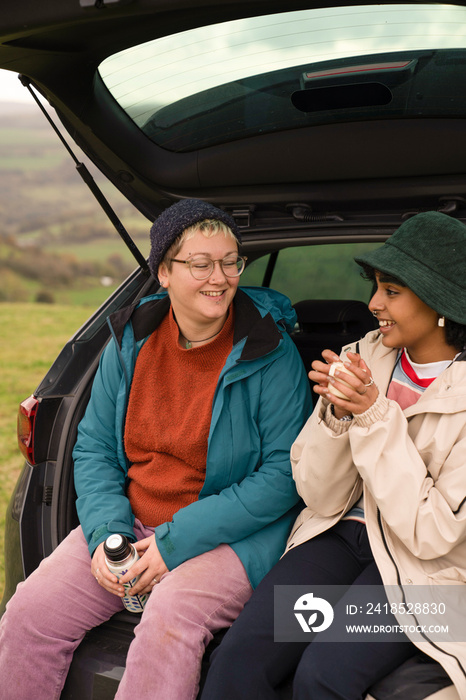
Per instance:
x=208, y=227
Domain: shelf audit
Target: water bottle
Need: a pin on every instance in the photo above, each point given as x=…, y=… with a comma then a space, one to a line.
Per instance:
x=120, y=555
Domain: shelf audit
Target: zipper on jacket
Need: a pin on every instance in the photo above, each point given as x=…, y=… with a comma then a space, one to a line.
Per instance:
x=447, y=653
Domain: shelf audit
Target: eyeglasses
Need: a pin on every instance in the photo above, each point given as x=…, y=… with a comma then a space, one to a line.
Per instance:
x=202, y=267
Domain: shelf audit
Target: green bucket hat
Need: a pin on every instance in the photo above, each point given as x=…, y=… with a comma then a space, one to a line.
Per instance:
x=428, y=254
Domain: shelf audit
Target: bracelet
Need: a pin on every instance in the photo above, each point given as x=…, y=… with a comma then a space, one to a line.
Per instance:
x=345, y=418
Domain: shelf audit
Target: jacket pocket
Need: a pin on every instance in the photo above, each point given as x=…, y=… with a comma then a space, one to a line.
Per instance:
x=452, y=575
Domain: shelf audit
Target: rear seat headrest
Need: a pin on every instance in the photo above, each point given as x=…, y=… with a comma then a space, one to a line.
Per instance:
x=344, y=314
x=329, y=323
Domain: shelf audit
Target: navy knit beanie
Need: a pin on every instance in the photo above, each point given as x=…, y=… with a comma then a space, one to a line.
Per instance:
x=173, y=221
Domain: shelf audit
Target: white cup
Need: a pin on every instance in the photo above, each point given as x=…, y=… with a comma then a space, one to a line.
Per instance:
x=341, y=368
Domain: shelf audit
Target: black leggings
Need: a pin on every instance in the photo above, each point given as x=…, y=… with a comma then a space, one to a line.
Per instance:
x=249, y=665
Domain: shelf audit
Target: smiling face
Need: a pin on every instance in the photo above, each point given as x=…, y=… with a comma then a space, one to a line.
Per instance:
x=405, y=321
x=200, y=306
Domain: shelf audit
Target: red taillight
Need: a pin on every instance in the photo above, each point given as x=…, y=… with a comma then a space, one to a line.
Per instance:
x=26, y=420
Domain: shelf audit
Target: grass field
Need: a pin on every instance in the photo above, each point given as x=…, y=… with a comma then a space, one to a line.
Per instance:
x=31, y=337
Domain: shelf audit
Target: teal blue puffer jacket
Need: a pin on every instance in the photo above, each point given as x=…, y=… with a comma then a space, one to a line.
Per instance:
x=261, y=402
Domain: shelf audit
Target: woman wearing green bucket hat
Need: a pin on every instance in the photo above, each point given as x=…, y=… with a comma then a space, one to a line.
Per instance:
x=381, y=466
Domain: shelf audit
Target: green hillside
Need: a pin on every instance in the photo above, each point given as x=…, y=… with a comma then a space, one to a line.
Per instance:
x=56, y=244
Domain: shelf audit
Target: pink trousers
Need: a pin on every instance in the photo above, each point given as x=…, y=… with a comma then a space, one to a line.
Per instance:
x=51, y=611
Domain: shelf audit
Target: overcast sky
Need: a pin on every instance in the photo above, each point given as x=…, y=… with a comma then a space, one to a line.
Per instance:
x=11, y=89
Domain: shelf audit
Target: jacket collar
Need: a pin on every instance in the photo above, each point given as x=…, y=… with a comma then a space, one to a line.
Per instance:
x=261, y=332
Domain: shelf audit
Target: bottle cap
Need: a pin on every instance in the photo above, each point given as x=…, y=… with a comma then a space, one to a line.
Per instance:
x=117, y=547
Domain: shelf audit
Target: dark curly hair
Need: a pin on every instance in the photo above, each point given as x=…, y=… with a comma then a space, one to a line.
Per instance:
x=455, y=333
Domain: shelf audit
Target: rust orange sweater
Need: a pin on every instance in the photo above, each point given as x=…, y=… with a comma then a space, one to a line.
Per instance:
x=168, y=420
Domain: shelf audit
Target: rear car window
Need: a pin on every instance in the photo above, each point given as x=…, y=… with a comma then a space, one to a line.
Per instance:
x=315, y=272
x=215, y=84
